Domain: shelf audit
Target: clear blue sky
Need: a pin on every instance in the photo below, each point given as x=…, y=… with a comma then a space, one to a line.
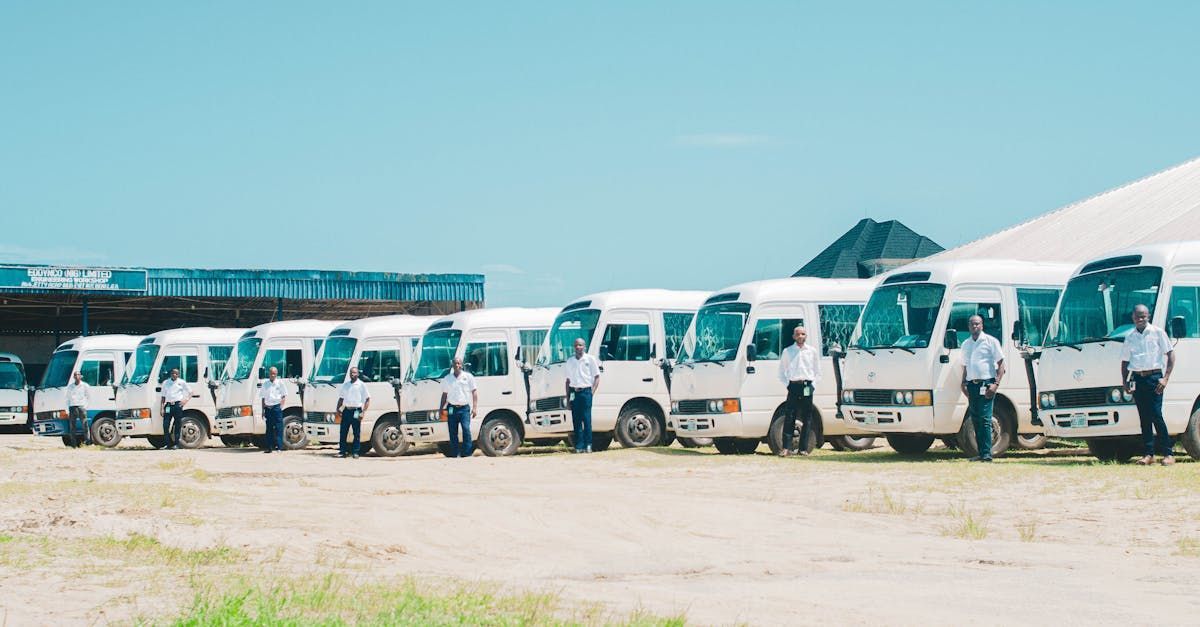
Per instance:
x=562, y=147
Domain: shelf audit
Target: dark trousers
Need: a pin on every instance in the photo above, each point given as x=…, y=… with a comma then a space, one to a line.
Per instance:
x=799, y=405
x=581, y=418
x=1149, y=406
x=459, y=418
x=273, y=414
x=351, y=420
x=172, y=422
x=980, y=407
x=78, y=430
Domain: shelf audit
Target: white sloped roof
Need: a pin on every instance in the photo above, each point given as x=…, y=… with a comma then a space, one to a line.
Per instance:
x=1163, y=207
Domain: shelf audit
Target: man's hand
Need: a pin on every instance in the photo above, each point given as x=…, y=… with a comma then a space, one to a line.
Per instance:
x=991, y=390
x=473, y=412
x=1162, y=385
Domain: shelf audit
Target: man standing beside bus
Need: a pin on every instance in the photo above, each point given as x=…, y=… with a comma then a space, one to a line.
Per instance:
x=175, y=395
x=273, y=393
x=1147, y=359
x=799, y=370
x=353, y=400
x=983, y=368
x=460, y=395
x=77, y=402
x=583, y=378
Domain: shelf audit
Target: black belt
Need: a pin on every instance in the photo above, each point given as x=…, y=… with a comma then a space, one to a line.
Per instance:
x=453, y=406
x=981, y=381
x=1147, y=373
x=581, y=389
x=804, y=381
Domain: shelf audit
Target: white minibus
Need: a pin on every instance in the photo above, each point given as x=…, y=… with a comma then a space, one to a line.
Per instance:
x=381, y=348
x=291, y=347
x=632, y=333
x=14, y=396
x=200, y=354
x=726, y=383
x=903, y=369
x=1080, y=391
x=102, y=361
x=497, y=346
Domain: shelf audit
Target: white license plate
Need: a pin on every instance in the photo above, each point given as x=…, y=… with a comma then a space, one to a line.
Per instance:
x=1078, y=421
x=544, y=421
x=690, y=425
x=872, y=418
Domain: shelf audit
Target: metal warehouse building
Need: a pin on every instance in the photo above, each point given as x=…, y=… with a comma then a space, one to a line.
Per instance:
x=41, y=306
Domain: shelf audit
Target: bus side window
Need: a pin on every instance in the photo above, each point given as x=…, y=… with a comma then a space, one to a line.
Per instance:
x=97, y=372
x=1185, y=303
x=960, y=315
x=1034, y=309
x=772, y=335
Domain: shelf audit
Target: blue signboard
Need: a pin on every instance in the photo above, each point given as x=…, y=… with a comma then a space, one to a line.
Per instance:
x=72, y=278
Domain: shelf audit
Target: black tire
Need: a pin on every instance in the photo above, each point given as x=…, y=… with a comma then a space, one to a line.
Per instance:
x=193, y=432
x=910, y=444
x=950, y=442
x=545, y=441
x=294, y=437
x=499, y=437
x=235, y=441
x=1030, y=441
x=735, y=446
x=259, y=442
x=105, y=433
x=157, y=441
x=1002, y=435
x=775, y=433
x=852, y=442
x=695, y=442
x=70, y=442
x=387, y=439
x=638, y=427
x=1190, y=438
x=1114, y=449
x=444, y=448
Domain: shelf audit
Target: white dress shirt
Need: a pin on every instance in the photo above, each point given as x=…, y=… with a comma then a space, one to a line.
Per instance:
x=981, y=357
x=800, y=364
x=77, y=395
x=458, y=389
x=582, y=372
x=354, y=394
x=272, y=392
x=1146, y=350
x=175, y=390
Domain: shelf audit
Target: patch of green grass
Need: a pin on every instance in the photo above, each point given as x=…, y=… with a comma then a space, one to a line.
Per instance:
x=1188, y=546
x=1027, y=529
x=881, y=501
x=333, y=599
x=5, y=538
x=201, y=474
x=967, y=525
x=175, y=464
x=145, y=549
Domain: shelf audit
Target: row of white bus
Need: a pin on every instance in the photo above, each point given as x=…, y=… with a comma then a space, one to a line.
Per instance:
x=688, y=366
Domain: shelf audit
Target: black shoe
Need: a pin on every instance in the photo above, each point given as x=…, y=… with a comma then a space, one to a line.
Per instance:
x=986, y=460
x=267, y=451
x=341, y=456
x=355, y=455
x=975, y=459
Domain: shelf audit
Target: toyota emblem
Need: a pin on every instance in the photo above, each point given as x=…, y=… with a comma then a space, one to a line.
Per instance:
x=871, y=376
x=1078, y=374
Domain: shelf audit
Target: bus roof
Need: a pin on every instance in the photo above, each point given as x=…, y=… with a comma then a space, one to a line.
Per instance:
x=501, y=317
x=981, y=271
x=198, y=335
x=796, y=289
x=384, y=326
x=1162, y=255
x=680, y=300
x=293, y=328
x=113, y=341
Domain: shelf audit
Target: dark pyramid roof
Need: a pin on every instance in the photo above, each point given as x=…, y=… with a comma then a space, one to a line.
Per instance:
x=869, y=241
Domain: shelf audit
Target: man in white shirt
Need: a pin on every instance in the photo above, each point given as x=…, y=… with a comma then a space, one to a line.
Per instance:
x=799, y=370
x=1147, y=359
x=77, y=403
x=353, y=400
x=273, y=393
x=460, y=395
x=175, y=395
x=983, y=368
x=583, y=378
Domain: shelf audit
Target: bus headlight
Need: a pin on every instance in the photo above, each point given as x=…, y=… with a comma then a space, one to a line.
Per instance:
x=1114, y=395
x=898, y=397
x=908, y=398
x=674, y=407
x=847, y=396
x=1126, y=396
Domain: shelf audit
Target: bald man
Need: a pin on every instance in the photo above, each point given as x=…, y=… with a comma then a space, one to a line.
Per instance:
x=1147, y=359
x=799, y=370
x=273, y=394
x=983, y=368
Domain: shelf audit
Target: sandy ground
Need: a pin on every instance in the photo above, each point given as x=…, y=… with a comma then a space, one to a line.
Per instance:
x=858, y=538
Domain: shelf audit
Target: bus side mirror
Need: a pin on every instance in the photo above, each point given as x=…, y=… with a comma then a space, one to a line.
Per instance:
x=517, y=357
x=1178, y=327
x=653, y=351
x=751, y=352
x=1018, y=333
x=951, y=339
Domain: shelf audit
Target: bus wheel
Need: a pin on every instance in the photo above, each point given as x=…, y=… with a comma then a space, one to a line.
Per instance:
x=1191, y=436
x=234, y=441
x=444, y=448
x=1002, y=436
x=852, y=442
x=499, y=437
x=1030, y=441
x=909, y=444
x=735, y=446
x=387, y=439
x=192, y=433
x=104, y=432
x=544, y=441
x=1109, y=449
x=775, y=434
x=950, y=442
x=293, y=433
x=601, y=442
x=695, y=442
x=157, y=441
x=70, y=442
x=637, y=428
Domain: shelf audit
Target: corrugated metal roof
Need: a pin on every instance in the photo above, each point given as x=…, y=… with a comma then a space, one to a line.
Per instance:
x=305, y=285
x=1162, y=207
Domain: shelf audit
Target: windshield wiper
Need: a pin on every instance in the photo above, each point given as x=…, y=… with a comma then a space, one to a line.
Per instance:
x=865, y=349
x=709, y=361
x=905, y=349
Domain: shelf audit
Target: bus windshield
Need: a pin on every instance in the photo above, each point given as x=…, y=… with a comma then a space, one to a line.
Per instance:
x=1099, y=306
x=437, y=354
x=143, y=363
x=900, y=316
x=12, y=376
x=569, y=326
x=58, y=371
x=335, y=360
x=247, y=353
x=717, y=333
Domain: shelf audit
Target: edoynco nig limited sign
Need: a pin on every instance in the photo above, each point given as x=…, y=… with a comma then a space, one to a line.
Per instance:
x=82, y=279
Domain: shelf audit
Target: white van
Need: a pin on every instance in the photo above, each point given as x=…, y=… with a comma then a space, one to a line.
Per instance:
x=639, y=330
x=726, y=383
x=14, y=396
x=102, y=361
x=200, y=354
x=902, y=373
x=290, y=346
x=381, y=348
x=497, y=346
x=1079, y=370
